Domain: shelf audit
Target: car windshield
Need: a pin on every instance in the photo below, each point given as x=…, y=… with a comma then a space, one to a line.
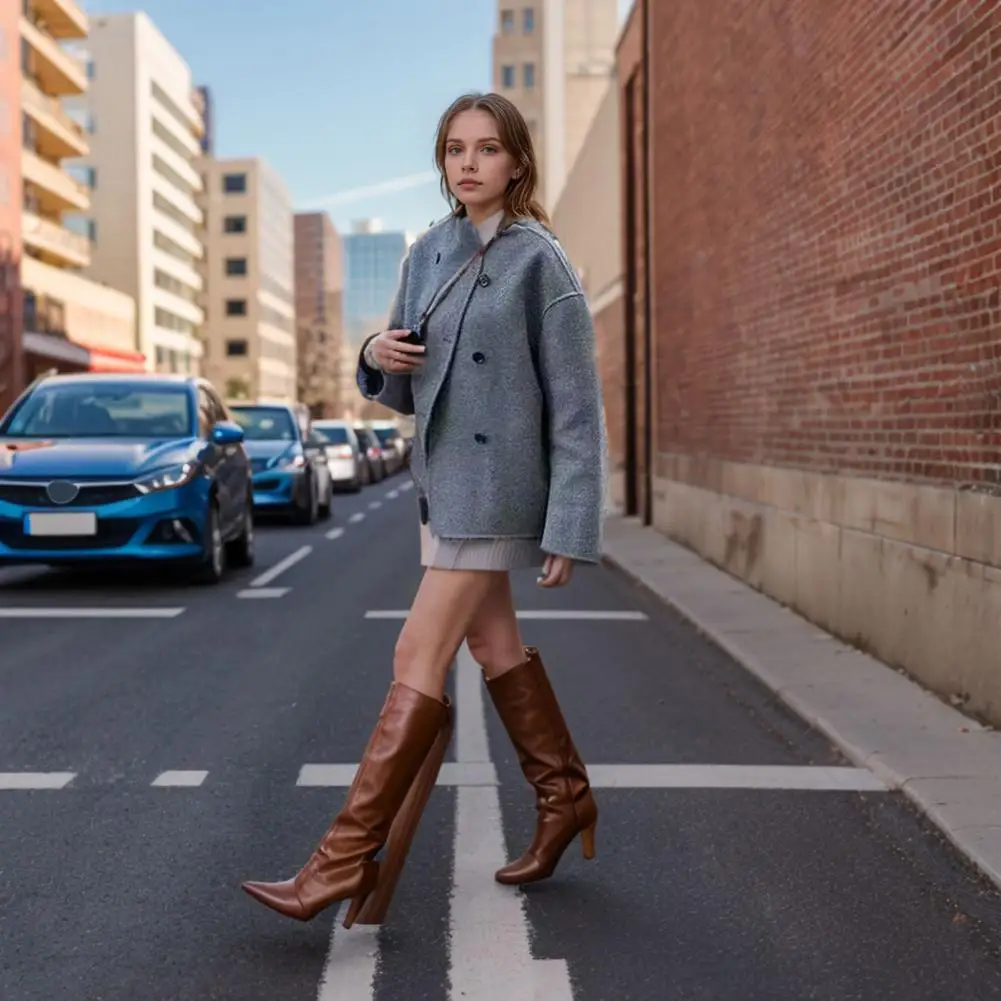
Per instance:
x=95, y=410
x=265, y=423
x=335, y=435
x=386, y=435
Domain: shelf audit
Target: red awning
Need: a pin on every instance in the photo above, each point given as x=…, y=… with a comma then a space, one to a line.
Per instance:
x=113, y=360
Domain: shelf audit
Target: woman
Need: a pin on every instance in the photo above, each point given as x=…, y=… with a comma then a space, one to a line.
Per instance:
x=491, y=348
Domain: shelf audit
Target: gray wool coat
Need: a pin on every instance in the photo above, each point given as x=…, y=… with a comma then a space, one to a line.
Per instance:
x=510, y=432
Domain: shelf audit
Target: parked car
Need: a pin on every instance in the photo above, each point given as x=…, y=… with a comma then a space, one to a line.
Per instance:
x=394, y=448
x=124, y=468
x=348, y=469
x=372, y=451
x=289, y=471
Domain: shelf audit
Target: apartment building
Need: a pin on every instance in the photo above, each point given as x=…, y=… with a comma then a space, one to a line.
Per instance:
x=555, y=59
x=11, y=357
x=145, y=128
x=249, y=281
x=319, y=294
x=70, y=322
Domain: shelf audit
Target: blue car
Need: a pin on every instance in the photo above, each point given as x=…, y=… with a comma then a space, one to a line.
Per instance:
x=290, y=470
x=109, y=468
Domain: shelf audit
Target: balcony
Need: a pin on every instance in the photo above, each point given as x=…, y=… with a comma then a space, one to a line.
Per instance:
x=55, y=244
x=90, y=313
x=58, y=134
x=57, y=72
x=55, y=189
x=62, y=18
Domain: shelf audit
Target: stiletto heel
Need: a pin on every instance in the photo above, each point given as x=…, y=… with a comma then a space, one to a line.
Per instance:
x=368, y=885
x=587, y=841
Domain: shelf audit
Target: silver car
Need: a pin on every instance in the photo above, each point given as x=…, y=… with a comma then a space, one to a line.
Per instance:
x=343, y=454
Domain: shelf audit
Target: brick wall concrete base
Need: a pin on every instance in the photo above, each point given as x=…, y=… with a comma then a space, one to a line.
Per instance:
x=908, y=573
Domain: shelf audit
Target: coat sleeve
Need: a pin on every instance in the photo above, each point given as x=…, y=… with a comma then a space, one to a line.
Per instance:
x=388, y=388
x=568, y=374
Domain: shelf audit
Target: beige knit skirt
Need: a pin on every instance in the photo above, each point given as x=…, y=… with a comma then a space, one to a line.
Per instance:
x=479, y=554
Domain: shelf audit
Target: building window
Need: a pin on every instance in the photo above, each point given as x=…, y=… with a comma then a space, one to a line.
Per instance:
x=236, y=266
x=528, y=20
x=507, y=22
x=236, y=349
x=507, y=77
x=236, y=307
x=234, y=184
x=234, y=224
x=92, y=230
x=91, y=69
x=528, y=75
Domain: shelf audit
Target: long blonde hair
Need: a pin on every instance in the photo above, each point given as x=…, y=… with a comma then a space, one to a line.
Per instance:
x=516, y=139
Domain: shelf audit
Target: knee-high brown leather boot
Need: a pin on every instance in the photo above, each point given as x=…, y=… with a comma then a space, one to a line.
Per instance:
x=343, y=865
x=527, y=706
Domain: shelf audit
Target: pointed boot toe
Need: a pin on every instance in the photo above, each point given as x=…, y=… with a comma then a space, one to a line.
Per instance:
x=280, y=897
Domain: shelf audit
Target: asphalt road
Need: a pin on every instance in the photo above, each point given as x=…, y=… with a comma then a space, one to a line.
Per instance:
x=119, y=884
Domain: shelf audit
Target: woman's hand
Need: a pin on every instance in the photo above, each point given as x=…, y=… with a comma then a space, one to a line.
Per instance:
x=392, y=355
x=556, y=571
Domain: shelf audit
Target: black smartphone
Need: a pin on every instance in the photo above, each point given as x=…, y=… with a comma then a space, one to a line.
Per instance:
x=416, y=336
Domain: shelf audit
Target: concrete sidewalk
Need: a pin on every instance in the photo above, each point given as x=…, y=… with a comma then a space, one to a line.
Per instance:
x=948, y=764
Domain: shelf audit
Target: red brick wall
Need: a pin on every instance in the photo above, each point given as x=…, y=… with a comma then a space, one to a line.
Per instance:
x=11, y=368
x=609, y=329
x=827, y=234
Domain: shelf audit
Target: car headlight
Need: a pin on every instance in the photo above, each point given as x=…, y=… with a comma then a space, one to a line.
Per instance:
x=291, y=462
x=167, y=479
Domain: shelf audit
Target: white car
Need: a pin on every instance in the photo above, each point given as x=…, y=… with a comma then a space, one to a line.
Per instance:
x=343, y=454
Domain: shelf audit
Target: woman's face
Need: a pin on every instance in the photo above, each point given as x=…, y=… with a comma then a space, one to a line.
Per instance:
x=478, y=168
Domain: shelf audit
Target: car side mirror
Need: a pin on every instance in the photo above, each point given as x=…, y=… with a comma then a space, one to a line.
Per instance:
x=227, y=433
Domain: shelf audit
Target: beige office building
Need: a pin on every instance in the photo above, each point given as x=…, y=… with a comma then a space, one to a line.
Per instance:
x=71, y=323
x=146, y=127
x=249, y=276
x=554, y=59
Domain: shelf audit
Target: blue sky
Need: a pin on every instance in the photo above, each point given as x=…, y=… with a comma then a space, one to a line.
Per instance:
x=338, y=95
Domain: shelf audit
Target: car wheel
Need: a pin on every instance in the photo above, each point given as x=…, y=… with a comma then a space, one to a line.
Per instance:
x=240, y=552
x=308, y=515
x=213, y=564
x=324, y=508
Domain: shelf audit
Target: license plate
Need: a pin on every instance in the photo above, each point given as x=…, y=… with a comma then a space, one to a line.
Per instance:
x=61, y=523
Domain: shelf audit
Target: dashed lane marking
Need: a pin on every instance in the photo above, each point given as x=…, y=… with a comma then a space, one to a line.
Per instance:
x=185, y=779
x=36, y=780
x=69, y=612
x=281, y=566
x=263, y=592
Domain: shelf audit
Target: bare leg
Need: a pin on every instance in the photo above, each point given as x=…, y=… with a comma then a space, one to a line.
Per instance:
x=493, y=638
x=445, y=605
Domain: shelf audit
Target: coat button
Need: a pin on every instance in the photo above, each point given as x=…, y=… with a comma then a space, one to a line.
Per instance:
x=481, y=439
x=479, y=357
x=484, y=280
